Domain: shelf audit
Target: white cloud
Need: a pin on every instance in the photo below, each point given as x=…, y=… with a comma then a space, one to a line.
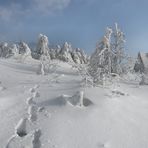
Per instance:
x=46, y=7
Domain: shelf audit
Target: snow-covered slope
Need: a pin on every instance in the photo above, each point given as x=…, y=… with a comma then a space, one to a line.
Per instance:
x=50, y=111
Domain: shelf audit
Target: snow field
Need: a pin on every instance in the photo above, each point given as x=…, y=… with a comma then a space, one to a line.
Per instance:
x=66, y=115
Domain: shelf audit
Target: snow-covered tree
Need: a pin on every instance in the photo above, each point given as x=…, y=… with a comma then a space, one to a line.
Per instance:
x=109, y=56
x=8, y=50
x=4, y=50
x=43, y=53
x=20, y=50
x=14, y=50
x=58, y=49
x=42, y=45
x=100, y=61
x=65, y=53
x=128, y=65
x=24, y=51
x=76, y=57
x=79, y=56
x=118, y=47
x=83, y=56
x=144, y=79
x=53, y=53
x=82, y=69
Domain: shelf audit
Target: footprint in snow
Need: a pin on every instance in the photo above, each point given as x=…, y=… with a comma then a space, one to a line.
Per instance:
x=30, y=101
x=32, y=112
x=21, y=127
x=20, y=132
x=32, y=90
x=31, y=140
x=36, y=86
x=36, y=143
x=103, y=145
x=41, y=109
x=19, y=142
x=35, y=94
x=2, y=88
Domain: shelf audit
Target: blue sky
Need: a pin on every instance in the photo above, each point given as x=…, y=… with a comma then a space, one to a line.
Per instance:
x=81, y=22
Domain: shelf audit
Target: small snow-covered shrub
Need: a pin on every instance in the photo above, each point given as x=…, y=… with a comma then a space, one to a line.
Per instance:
x=132, y=77
x=82, y=69
x=144, y=80
x=41, y=69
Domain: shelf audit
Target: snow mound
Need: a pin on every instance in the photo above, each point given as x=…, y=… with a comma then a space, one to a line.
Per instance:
x=2, y=88
x=78, y=100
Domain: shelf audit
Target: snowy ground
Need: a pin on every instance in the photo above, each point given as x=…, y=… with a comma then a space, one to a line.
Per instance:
x=35, y=111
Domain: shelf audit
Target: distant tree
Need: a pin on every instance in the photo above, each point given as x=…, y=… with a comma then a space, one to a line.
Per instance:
x=79, y=56
x=4, y=50
x=14, y=50
x=65, y=53
x=53, y=53
x=43, y=53
x=42, y=45
x=24, y=51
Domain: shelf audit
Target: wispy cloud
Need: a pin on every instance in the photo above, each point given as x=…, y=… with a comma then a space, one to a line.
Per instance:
x=50, y=6
x=15, y=10
x=8, y=12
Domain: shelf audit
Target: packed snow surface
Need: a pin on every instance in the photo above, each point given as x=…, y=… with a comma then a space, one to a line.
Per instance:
x=56, y=111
